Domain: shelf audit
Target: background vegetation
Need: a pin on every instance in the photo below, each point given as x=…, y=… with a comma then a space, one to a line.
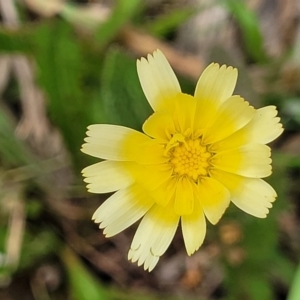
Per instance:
x=65, y=65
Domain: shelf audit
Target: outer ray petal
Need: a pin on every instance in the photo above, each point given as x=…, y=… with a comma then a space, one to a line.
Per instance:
x=150, y=262
x=214, y=87
x=214, y=198
x=233, y=115
x=122, y=209
x=262, y=129
x=193, y=228
x=252, y=160
x=254, y=196
x=113, y=142
x=158, y=80
x=109, y=176
x=153, y=236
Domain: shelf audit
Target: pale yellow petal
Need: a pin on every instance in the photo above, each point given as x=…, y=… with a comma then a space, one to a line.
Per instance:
x=184, y=197
x=193, y=228
x=109, y=176
x=214, y=198
x=233, y=115
x=150, y=262
x=113, y=142
x=254, y=196
x=262, y=129
x=214, y=87
x=252, y=160
x=122, y=209
x=153, y=236
x=158, y=80
x=265, y=126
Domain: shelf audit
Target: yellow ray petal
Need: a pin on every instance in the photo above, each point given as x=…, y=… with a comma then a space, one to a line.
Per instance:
x=122, y=209
x=252, y=195
x=109, y=176
x=252, y=160
x=153, y=176
x=262, y=129
x=113, y=142
x=151, y=152
x=214, y=198
x=153, y=236
x=160, y=126
x=193, y=228
x=214, y=87
x=165, y=192
x=158, y=80
x=233, y=115
x=184, y=197
x=183, y=110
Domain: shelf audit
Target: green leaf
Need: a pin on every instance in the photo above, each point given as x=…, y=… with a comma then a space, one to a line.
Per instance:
x=283, y=268
x=36, y=246
x=60, y=62
x=294, y=293
x=3, y=234
x=12, y=40
x=121, y=15
x=83, y=285
x=259, y=288
x=120, y=99
x=165, y=23
x=249, y=26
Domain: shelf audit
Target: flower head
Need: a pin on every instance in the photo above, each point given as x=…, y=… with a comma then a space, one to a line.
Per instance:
x=196, y=155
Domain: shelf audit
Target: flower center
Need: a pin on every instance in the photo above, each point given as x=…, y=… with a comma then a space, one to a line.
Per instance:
x=188, y=157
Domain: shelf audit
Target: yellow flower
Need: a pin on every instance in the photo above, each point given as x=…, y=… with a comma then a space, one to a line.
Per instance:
x=197, y=153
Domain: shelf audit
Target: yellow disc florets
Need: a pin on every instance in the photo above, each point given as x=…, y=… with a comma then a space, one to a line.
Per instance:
x=188, y=157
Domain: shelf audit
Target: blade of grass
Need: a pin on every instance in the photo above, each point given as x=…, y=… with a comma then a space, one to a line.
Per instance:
x=164, y=24
x=12, y=40
x=83, y=285
x=122, y=99
x=249, y=25
x=294, y=293
x=60, y=60
x=121, y=14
